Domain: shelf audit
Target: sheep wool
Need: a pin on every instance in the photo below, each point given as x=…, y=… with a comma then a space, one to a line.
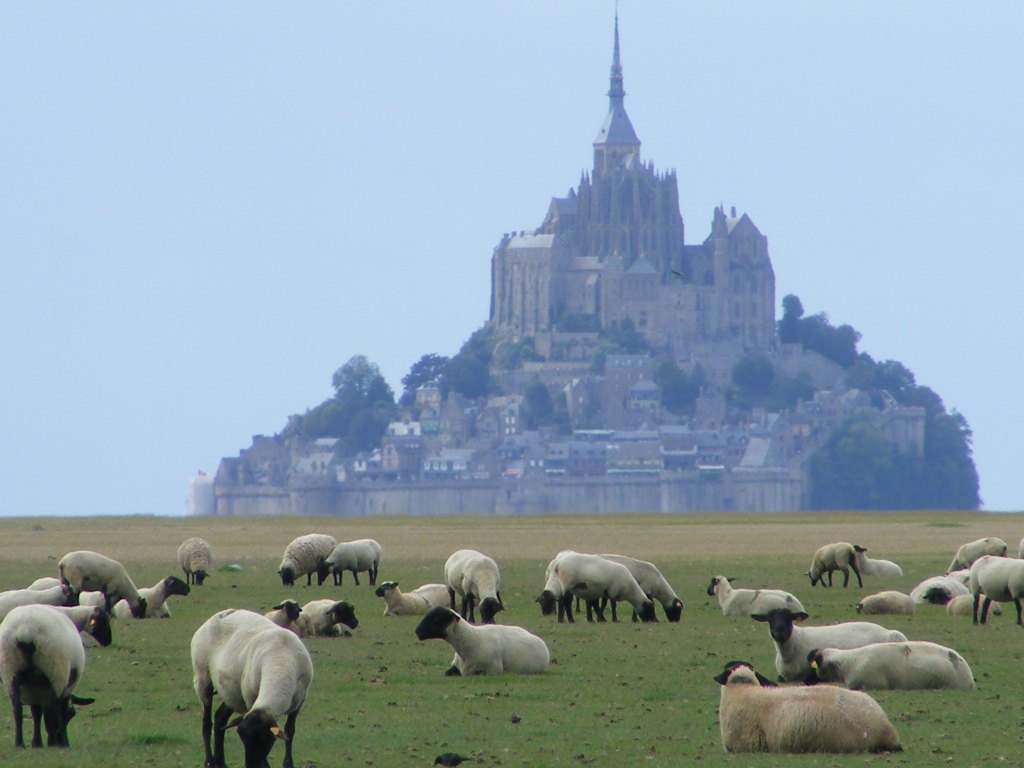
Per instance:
x=325, y=618
x=415, y=603
x=195, y=558
x=889, y=602
x=938, y=590
x=474, y=576
x=972, y=550
x=89, y=571
x=840, y=556
x=58, y=595
x=963, y=605
x=747, y=602
x=891, y=666
x=488, y=649
x=156, y=599
x=305, y=556
x=354, y=556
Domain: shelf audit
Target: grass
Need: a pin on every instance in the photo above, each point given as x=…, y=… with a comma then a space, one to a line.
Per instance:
x=616, y=695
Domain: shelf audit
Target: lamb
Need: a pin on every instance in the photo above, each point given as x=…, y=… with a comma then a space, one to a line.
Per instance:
x=156, y=599
x=792, y=644
x=415, y=603
x=325, y=618
x=890, y=602
x=41, y=661
x=747, y=602
x=758, y=716
x=893, y=666
x=260, y=671
x=355, y=556
x=305, y=556
x=475, y=577
x=938, y=590
x=11, y=599
x=89, y=571
x=968, y=553
x=652, y=583
x=963, y=605
x=997, y=578
x=285, y=614
x=591, y=578
x=489, y=649
x=869, y=567
x=195, y=557
x=834, y=557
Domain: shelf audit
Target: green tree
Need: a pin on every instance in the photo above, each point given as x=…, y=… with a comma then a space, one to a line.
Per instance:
x=789, y=325
x=817, y=333
x=679, y=392
x=430, y=367
x=753, y=374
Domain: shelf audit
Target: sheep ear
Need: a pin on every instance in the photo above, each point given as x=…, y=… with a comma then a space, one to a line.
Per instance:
x=759, y=617
x=731, y=579
x=278, y=733
x=859, y=548
x=278, y=607
x=233, y=724
x=764, y=681
x=81, y=701
x=800, y=616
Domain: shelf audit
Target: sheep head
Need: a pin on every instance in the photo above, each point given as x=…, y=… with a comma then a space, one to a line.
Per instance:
x=175, y=586
x=488, y=607
x=258, y=731
x=674, y=612
x=548, y=602
x=287, y=575
x=383, y=589
x=435, y=625
x=780, y=622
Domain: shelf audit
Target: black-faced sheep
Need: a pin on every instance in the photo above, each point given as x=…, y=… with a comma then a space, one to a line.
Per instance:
x=475, y=578
x=840, y=556
x=285, y=614
x=654, y=585
x=325, y=618
x=354, y=556
x=891, y=666
x=997, y=578
x=156, y=599
x=305, y=556
x=972, y=550
x=415, y=603
x=889, y=602
x=592, y=578
x=870, y=567
x=938, y=590
x=89, y=571
x=489, y=649
x=747, y=602
x=195, y=557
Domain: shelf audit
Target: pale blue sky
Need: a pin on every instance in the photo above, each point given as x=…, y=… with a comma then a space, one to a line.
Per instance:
x=205, y=209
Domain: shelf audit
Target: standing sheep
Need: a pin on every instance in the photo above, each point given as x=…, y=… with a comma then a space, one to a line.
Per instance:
x=869, y=567
x=553, y=595
x=59, y=595
x=972, y=550
x=758, y=716
x=195, y=557
x=285, y=614
x=474, y=576
x=355, y=556
x=893, y=666
x=747, y=602
x=415, y=603
x=834, y=557
x=325, y=618
x=156, y=599
x=938, y=590
x=89, y=571
x=654, y=585
x=305, y=556
x=591, y=578
x=489, y=649
x=889, y=602
x=997, y=578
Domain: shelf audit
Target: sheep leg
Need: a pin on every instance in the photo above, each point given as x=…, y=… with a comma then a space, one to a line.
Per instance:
x=355, y=575
x=309, y=579
x=829, y=579
x=984, y=609
x=590, y=615
x=1016, y=602
x=614, y=615
x=37, y=731
x=577, y=605
x=207, y=725
x=289, y=732
x=337, y=578
x=220, y=720
x=565, y=609
x=19, y=736
x=860, y=582
x=451, y=597
x=599, y=609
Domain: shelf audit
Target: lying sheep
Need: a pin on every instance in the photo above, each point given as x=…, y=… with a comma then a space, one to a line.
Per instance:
x=893, y=666
x=792, y=644
x=938, y=590
x=968, y=553
x=285, y=614
x=355, y=556
x=963, y=605
x=44, y=582
x=747, y=602
x=156, y=599
x=997, y=578
x=195, y=558
x=758, y=716
x=834, y=557
x=58, y=595
x=489, y=649
x=415, y=603
x=474, y=577
x=591, y=578
x=963, y=576
x=890, y=602
x=90, y=571
x=258, y=669
x=869, y=567
x=305, y=556
x=325, y=618
x=654, y=585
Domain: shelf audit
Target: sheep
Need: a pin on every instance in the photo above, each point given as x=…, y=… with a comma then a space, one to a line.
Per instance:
x=997, y=578
x=156, y=599
x=305, y=556
x=41, y=661
x=869, y=567
x=963, y=576
x=553, y=595
x=90, y=620
x=759, y=716
x=893, y=666
x=968, y=553
x=44, y=582
x=793, y=643
x=195, y=557
x=489, y=649
x=963, y=605
x=260, y=671
x=415, y=603
x=355, y=556
x=97, y=599
x=325, y=618
x=654, y=585
x=285, y=614
x=938, y=590
x=11, y=599
x=746, y=602
x=834, y=557
x=90, y=571
x=591, y=578
x=475, y=577
x=890, y=602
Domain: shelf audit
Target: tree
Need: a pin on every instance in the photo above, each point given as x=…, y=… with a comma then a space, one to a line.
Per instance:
x=789, y=325
x=355, y=377
x=468, y=375
x=679, y=392
x=753, y=374
x=816, y=333
x=430, y=367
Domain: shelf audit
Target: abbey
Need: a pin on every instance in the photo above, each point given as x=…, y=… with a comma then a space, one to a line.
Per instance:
x=614, y=248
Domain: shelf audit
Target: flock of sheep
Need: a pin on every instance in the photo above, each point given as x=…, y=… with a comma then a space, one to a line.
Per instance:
x=260, y=667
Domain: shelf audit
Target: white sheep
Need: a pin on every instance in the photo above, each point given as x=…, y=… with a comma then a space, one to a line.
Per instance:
x=305, y=556
x=839, y=556
x=591, y=578
x=747, y=602
x=355, y=556
x=997, y=578
x=963, y=576
x=972, y=550
x=489, y=649
x=893, y=666
x=870, y=567
x=44, y=582
x=325, y=618
x=553, y=596
x=415, y=603
x=260, y=671
x=156, y=599
x=792, y=644
x=654, y=585
x=89, y=620
x=757, y=716
x=888, y=602
x=474, y=577
x=195, y=557
x=41, y=661
x=963, y=605
x=89, y=571
x=285, y=614
x=938, y=590
x=12, y=598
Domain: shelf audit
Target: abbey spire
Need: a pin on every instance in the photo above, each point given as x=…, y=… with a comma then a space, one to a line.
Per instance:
x=616, y=144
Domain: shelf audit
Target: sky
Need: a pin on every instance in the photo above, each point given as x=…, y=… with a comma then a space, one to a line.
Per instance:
x=206, y=209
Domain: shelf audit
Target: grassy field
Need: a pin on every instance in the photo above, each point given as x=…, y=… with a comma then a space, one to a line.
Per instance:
x=615, y=695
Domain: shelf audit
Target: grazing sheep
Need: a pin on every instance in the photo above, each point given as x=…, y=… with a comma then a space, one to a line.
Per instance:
x=305, y=556
x=355, y=556
x=41, y=661
x=553, y=596
x=971, y=551
x=195, y=557
x=890, y=602
x=792, y=644
x=415, y=603
x=260, y=671
x=938, y=590
x=475, y=577
x=654, y=585
x=997, y=578
x=156, y=599
x=285, y=614
x=963, y=605
x=325, y=618
x=758, y=716
x=834, y=557
x=12, y=598
x=489, y=649
x=90, y=571
x=747, y=602
x=893, y=666
x=591, y=578
x=869, y=567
